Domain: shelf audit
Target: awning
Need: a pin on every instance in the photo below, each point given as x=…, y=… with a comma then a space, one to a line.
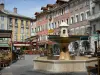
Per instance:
x=21, y=44
x=4, y=45
x=5, y=33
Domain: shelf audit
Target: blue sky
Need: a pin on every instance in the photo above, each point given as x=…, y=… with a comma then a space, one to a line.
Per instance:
x=27, y=7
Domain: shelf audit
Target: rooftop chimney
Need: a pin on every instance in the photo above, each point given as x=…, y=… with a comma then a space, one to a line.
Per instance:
x=15, y=10
x=2, y=6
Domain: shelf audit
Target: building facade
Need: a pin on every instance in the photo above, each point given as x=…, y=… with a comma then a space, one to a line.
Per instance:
x=19, y=24
x=94, y=19
x=73, y=12
x=79, y=13
x=42, y=28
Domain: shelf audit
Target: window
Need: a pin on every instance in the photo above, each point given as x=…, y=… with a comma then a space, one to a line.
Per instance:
x=87, y=14
x=94, y=29
x=2, y=18
x=10, y=20
x=93, y=10
x=77, y=18
x=16, y=22
x=72, y=20
x=72, y=32
x=35, y=30
x=32, y=30
x=22, y=22
x=67, y=21
x=22, y=37
x=49, y=26
x=15, y=37
x=82, y=16
x=82, y=30
x=26, y=31
x=62, y=20
x=55, y=25
x=22, y=30
x=77, y=31
x=52, y=25
x=10, y=28
x=2, y=26
x=87, y=2
x=16, y=30
x=62, y=12
x=58, y=22
x=26, y=22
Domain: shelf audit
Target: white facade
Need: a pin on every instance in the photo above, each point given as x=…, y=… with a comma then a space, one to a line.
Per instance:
x=33, y=29
x=94, y=20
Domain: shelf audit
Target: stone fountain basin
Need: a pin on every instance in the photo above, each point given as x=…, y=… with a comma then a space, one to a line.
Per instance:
x=78, y=64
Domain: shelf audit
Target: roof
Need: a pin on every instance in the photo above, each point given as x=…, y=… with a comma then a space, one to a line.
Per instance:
x=44, y=8
x=62, y=1
x=14, y=14
x=50, y=5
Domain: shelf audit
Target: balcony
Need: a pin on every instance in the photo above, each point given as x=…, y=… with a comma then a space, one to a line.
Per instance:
x=94, y=17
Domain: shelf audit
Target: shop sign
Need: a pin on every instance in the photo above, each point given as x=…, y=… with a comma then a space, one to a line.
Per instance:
x=51, y=31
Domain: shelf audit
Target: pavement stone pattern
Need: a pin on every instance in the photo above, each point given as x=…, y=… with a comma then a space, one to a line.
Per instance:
x=25, y=67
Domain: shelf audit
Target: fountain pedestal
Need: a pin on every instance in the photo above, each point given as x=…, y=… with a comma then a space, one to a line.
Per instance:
x=64, y=66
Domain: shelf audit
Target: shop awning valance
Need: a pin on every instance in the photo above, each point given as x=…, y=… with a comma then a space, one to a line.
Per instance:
x=4, y=45
x=5, y=33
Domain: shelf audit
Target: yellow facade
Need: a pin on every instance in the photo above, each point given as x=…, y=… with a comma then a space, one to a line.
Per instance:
x=19, y=29
x=25, y=29
x=13, y=28
x=29, y=23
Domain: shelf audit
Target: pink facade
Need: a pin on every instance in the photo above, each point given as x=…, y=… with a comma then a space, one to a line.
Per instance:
x=43, y=21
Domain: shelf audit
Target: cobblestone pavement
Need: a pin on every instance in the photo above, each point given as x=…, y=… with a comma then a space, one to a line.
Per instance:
x=25, y=67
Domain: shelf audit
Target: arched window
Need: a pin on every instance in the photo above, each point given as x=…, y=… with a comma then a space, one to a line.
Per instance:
x=64, y=31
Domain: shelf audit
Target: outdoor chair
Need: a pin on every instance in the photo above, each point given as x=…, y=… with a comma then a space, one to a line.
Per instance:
x=92, y=70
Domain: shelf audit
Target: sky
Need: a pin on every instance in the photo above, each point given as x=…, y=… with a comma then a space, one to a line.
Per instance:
x=27, y=7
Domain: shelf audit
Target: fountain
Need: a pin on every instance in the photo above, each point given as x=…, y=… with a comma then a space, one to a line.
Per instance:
x=65, y=62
